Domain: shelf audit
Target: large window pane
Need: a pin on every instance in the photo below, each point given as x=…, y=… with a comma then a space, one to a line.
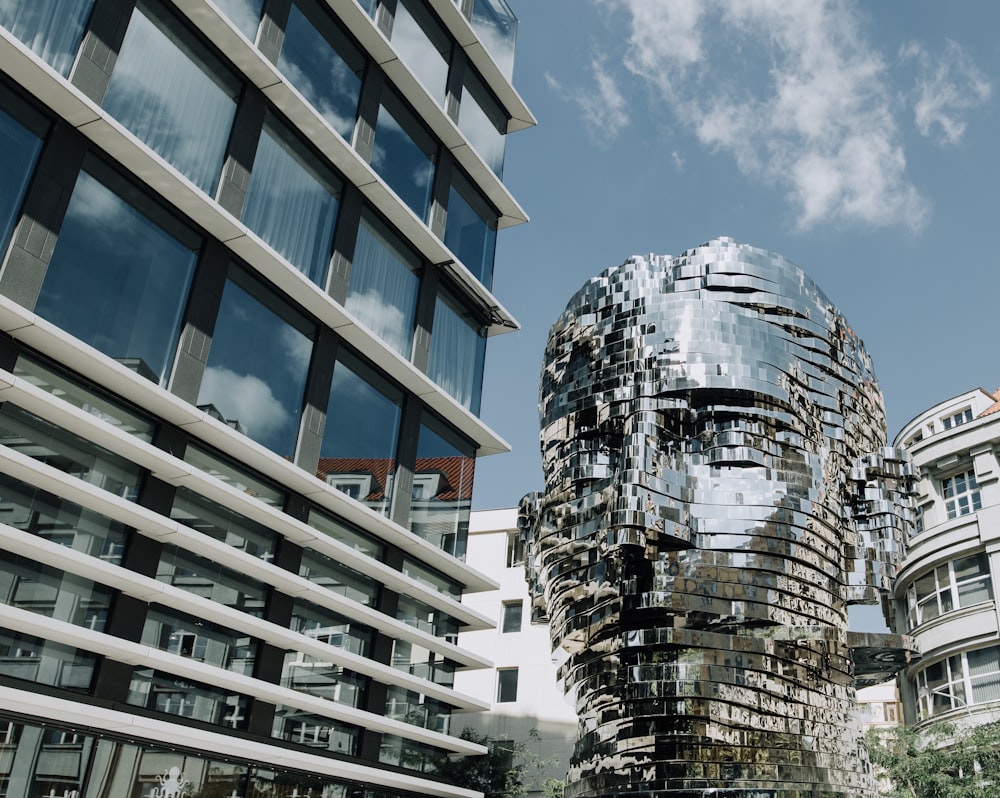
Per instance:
x=358, y=453
x=53, y=593
x=187, y=636
x=70, y=389
x=208, y=579
x=173, y=94
x=292, y=201
x=384, y=285
x=483, y=122
x=244, y=14
x=323, y=65
x=403, y=155
x=19, y=148
x=118, y=280
x=66, y=451
x=496, y=27
x=458, y=352
x=37, y=512
x=423, y=46
x=471, y=229
x=52, y=28
x=45, y=662
x=442, y=487
x=256, y=372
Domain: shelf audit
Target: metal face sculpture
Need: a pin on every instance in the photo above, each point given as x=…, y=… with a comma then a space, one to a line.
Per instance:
x=717, y=492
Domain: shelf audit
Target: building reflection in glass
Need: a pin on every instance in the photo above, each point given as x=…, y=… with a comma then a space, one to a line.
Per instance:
x=717, y=492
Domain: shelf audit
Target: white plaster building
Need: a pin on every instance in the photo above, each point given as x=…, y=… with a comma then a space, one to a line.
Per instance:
x=945, y=594
x=522, y=686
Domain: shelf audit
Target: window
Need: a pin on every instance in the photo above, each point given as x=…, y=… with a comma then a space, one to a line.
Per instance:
x=59, y=448
x=338, y=578
x=515, y=549
x=256, y=372
x=323, y=65
x=458, y=352
x=496, y=26
x=225, y=470
x=244, y=14
x=483, y=121
x=173, y=94
x=292, y=201
x=52, y=28
x=170, y=630
x=512, y=611
x=954, y=420
x=959, y=682
x=471, y=229
x=423, y=46
x=75, y=391
x=404, y=154
x=19, y=148
x=385, y=279
x=361, y=432
x=120, y=273
x=506, y=685
x=219, y=522
x=959, y=583
x=961, y=494
x=442, y=518
x=347, y=535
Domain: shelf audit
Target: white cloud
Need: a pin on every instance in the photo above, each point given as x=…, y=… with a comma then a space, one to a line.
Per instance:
x=791, y=91
x=244, y=398
x=602, y=106
x=946, y=87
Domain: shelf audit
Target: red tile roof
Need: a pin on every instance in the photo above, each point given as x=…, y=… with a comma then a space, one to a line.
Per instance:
x=993, y=408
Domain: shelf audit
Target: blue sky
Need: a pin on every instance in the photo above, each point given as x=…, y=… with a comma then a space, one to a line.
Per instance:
x=857, y=139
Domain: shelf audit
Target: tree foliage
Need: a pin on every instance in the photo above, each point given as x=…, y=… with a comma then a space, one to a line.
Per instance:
x=507, y=770
x=944, y=762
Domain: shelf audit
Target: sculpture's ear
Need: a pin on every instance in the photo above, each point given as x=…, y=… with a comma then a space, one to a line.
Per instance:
x=528, y=525
x=881, y=513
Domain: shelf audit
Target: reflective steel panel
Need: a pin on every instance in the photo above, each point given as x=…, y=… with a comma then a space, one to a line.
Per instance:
x=717, y=492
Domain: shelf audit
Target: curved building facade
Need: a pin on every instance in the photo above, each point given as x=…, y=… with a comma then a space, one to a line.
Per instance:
x=945, y=595
x=244, y=301
x=717, y=492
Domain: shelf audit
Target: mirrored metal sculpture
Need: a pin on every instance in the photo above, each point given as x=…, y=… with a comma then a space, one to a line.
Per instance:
x=717, y=492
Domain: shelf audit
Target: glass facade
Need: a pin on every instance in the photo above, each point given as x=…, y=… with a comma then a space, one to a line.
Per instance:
x=19, y=148
x=458, y=352
x=118, y=278
x=256, y=371
x=385, y=280
x=150, y=238
x=358, y=455
x=404, y=155
x=442, y=488
x=483, y=122
x=52, y=28
x=244, y=14
x=173, y=94
x=292, y=201
x=321, y=63
x=471, y=230
x=422, y=45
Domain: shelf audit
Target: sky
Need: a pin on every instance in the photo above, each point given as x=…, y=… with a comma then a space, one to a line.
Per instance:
x=859, y=140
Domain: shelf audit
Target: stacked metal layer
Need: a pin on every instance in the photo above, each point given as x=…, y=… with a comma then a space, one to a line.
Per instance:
x=717, y=493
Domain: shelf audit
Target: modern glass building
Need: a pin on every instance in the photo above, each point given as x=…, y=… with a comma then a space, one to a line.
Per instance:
x=244, y=301
x=945, y=595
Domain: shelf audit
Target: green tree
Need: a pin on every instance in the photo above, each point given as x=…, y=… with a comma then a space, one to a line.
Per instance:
x=507, y=770
x=944, y=762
